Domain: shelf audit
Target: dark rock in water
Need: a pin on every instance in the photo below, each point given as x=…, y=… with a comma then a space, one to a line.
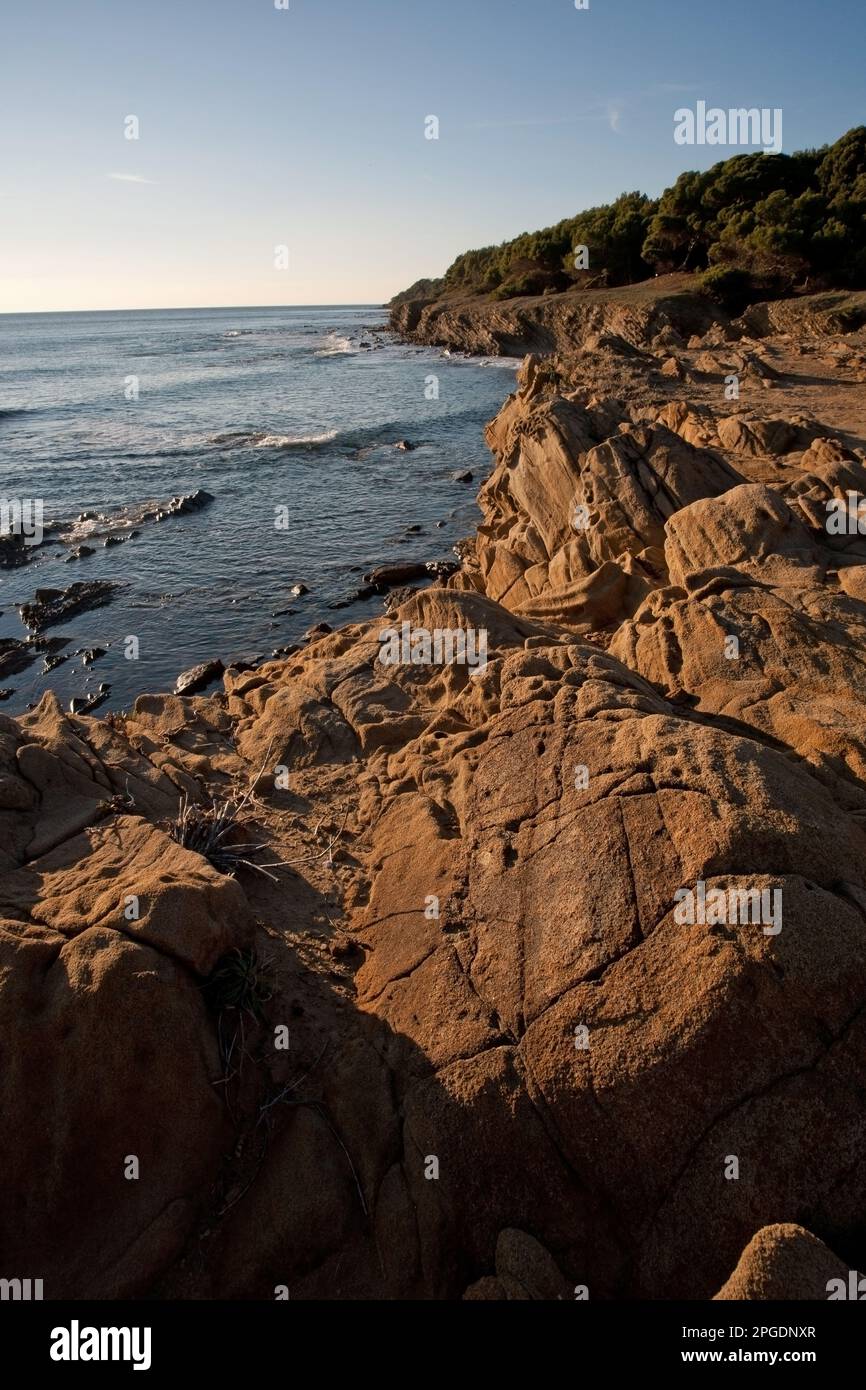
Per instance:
x=80, y=553
x=90, y=654
x=298, y=589
x=404, y=446
x=83, y=704
x=462, y=477
x=320, y=630
x=442, y=568
x=197, y=677
x=385, y=576
x=285, y=651
x=439, y=525
x=6, y=692
x=115, y=530
x=51, y=606
x=414, y=530
x=14, y=551
x=363, y=591
x=50, y=663
x=193, y=502
x=284, y=613
x=16, y=655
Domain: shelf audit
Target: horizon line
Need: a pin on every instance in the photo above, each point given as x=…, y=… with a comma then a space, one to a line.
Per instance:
x=199, y=308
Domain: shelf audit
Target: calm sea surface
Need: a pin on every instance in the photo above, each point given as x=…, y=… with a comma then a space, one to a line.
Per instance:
x=263, y=408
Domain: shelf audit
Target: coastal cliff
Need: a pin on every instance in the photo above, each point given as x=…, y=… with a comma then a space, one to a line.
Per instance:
x=554, y=323
x=666, y=310
x=379, y=970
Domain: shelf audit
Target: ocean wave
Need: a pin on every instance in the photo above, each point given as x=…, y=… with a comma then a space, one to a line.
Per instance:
x=260, y=439
x=336, y=345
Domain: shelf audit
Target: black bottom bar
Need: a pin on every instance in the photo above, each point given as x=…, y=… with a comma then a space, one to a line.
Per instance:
x=242, y=1339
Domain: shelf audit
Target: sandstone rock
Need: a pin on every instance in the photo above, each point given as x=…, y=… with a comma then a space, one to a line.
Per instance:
x=784, y=1262
x=471, y=916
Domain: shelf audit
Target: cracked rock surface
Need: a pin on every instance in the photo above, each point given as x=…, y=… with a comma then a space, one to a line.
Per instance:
x=452, y=1039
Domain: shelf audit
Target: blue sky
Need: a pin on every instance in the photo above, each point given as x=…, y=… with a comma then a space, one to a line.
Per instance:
x=305, y=127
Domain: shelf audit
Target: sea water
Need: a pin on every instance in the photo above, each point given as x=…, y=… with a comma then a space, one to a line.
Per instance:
x=289, y=412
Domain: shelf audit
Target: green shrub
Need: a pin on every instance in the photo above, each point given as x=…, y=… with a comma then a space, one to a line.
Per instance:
x=733, y=289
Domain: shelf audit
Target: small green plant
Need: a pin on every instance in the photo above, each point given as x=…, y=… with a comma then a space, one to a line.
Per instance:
x=242, y=981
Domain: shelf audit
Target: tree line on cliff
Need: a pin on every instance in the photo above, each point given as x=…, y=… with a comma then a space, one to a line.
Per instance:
x=755, y=226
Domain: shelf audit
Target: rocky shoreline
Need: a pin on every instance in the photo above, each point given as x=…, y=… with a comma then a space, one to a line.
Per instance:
x=378, y=971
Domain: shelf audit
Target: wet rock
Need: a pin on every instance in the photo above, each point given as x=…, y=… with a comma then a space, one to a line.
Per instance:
x=384, y=576
x=320, y=630
x=52, y=606
x=6, y=692
x=465, y=477
x=90, y=654
x=14, y=551
x=442, y=569
x=80, y=553
x=404, y=446
x=197, y=677
x=297, y=590
x=17, y=654
x=185, y=505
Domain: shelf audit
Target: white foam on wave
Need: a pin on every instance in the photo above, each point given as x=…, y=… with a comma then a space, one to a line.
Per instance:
x=258, y=439
x=335, y=346
x=290, y=441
